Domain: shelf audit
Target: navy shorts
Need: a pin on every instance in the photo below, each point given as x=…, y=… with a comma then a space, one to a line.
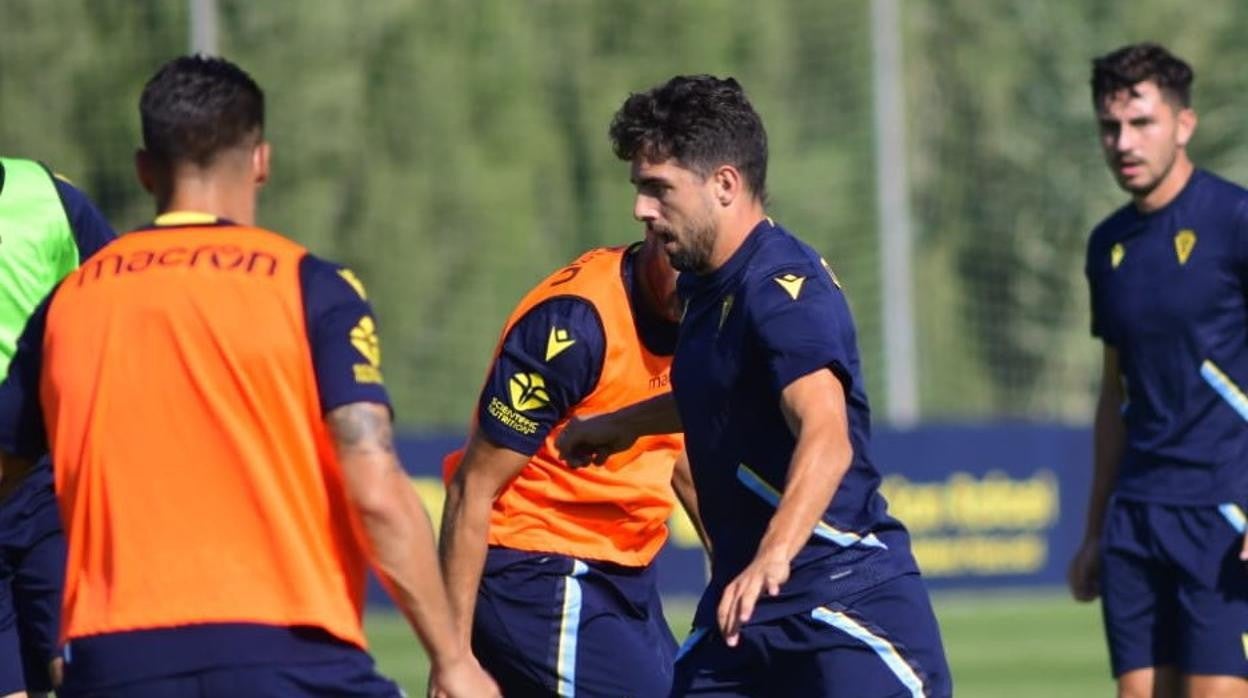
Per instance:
x=32, y=573
x=550, y=625
x=881, y=642
x=1173, y=589
x=350, y=677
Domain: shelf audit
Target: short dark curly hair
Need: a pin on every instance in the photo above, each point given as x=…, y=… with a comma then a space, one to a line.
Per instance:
x=1130, y=65
x=194, y=107
x=701, y=121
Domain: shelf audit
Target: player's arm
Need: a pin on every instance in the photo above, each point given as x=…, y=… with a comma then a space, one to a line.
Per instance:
x=91, y=230
x=23, y=439
x=485, y=470
x=597, y=438
x=682, y=485
x=549, y=361
x=804, y=334
x=1109, y=436
x=814, y=407
x=346, y=357
x=395, y=526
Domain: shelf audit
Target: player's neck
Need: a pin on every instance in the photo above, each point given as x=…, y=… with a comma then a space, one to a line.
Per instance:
x=654, y=282
x=733, y=231
x=218, y=196
x=1170, y=186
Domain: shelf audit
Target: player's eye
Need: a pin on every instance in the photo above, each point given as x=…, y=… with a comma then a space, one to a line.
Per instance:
x=653, y=188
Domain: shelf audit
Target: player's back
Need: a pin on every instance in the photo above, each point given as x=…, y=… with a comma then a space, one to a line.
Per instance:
x=193, y=467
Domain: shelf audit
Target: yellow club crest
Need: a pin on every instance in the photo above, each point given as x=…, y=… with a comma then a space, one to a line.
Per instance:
x=1184, y=243
x=364, y=339
x=1116, y=254
x=791, y=283
x=353, y=280
x=558, y=341
x=528, y=392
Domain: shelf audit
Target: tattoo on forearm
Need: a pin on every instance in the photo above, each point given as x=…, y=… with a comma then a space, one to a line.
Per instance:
x=361, y=427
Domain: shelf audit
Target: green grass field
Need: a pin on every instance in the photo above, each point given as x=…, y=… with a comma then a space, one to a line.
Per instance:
x=1030, y=644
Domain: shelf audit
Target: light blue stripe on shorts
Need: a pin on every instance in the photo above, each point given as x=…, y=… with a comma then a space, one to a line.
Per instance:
x=1234, y=516
x=565, y=668
x=885, y=649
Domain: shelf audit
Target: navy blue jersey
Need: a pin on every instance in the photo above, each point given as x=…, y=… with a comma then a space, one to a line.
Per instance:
x=531, y=345
x=342, y=333
x=770, y=315
x=341, y=330
x=1167, y=293
x=571, y=374
x=91, y=231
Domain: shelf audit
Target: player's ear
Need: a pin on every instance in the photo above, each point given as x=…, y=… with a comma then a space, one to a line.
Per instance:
x=728, y=184
x=143, y=170
x=1186, y=126
x=260, y=155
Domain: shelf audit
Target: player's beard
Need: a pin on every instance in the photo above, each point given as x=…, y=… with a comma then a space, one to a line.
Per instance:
x=1140, y=191
x=693, y=251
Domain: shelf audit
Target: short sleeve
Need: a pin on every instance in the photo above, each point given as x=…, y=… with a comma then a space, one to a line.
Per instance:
x=550, y=360
x=342, y=334
x=1091, y=271
x=91, y=230
x=1240, y=244
x=802, y=323
x=22, y=429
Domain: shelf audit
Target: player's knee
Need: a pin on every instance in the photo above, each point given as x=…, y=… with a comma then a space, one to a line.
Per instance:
x=1149, y=682
x=1217, y=687
x=56, y=671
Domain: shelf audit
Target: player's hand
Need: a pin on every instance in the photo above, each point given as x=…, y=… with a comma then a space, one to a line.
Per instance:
x=1085, y=572
x=592, y=440
x=1243, y=550
x=462, y=678
x=765, y=574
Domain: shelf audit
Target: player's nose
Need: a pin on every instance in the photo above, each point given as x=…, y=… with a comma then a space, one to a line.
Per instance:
x=1124, y=141
x=645, y=208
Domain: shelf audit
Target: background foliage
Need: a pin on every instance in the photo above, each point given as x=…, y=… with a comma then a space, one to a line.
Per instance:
x=454, y=151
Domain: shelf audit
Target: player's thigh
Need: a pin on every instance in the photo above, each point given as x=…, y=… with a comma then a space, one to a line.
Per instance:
x=707, y=668
x=515, y=630
x=545, y=634
x=1151, y=682
x=1212, y=590
x=1139, y=592
x=37, y=584
x=619, y=651
x=884, y=642
x=1215, y=687
x=11, y=675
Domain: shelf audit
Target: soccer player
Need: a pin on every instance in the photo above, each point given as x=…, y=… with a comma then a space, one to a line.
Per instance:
x=564, y=601
x=1164, y=545
x=221, y=437
x=813, y=588
x=47, y=227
